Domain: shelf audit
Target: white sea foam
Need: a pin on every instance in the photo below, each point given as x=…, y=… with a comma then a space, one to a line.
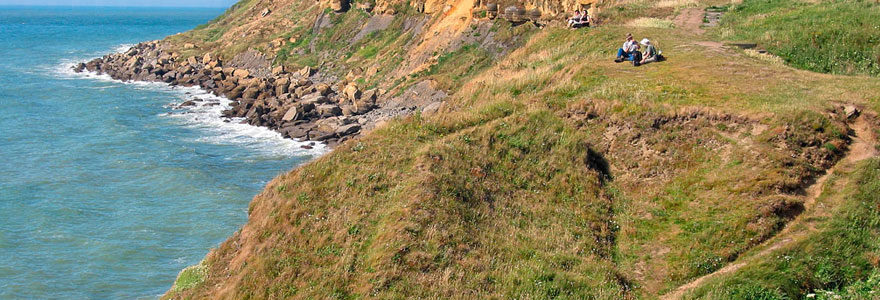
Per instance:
x=123, y=48
x=206, y=115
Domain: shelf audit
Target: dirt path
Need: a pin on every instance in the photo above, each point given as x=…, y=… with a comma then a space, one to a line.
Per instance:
x=690, y=20
x=862, y=147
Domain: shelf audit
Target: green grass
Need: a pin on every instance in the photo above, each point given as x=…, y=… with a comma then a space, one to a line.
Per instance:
x=454, y=67
x=842, y=257
x=864, y=289
x=838, y=37
x=190, y=277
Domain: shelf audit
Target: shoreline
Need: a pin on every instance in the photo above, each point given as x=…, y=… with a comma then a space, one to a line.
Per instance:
x=299, y=105
x=197, y=108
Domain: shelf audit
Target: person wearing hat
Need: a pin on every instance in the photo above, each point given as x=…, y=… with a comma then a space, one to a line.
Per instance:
x=625, y=52
x=651, y=53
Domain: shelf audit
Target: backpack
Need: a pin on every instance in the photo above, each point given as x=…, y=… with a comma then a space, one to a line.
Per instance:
x=637, y=58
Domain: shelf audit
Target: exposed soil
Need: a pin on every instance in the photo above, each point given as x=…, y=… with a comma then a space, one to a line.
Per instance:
x=690, y=20
x=863, y=147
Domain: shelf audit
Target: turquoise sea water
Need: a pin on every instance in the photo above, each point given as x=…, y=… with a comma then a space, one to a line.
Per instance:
x=106, y=190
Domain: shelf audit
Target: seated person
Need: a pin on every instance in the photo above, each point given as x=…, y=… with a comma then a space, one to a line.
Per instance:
x=575, y=19
x=651, y=53
x=625, y=52
x=585, y=19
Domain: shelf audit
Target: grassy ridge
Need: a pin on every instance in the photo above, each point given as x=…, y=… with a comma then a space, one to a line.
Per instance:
x=843, y=256
x=838, y=37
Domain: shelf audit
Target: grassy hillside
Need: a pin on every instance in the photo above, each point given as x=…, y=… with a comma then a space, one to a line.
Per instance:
x=838, y=37
x=553, y=172
x=843, y=255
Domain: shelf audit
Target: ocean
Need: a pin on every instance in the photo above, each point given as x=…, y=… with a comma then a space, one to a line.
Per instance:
x=107, y=190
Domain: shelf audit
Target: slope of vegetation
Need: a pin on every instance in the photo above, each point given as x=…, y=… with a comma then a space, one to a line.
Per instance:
x=840, y=257
x=552, y=172
x=838, y=37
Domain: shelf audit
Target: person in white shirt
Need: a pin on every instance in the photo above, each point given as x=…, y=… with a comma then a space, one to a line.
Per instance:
x=625, y=52
x=575, y=19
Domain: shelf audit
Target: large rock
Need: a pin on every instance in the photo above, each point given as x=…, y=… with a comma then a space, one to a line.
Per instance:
x=241, y=73
x=328, y=110
x=431, y=109
x=235, y=92
x=851, y=111
x=301, y=82
x=369, y=95
x=306, y=71
x=348, y=129
x=314, y=98
x=251, y=93
x=278, y=70
x=323, y=89
x=303, y=91
x=351, y=91
x=290, y=115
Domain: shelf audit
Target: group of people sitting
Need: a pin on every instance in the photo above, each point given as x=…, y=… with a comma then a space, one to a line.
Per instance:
x=580, y=19
x=631, y=52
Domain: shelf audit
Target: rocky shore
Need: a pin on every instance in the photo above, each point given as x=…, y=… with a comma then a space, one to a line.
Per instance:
x=300, y=105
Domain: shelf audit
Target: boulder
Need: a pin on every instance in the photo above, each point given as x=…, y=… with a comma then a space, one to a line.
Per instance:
x=278, y=70
x=328, y=110
x=78, y=68
x=302, y=82
x=290, y=115
x=187, y=103
x=306, y=72
x=337, y=5
x=241, y=73
x=351, y=91
x=251, y=93
x=317, y=135
x=369, y=95
x=235, y=92
x=314, y=98
x=851, y=111
x=281, y=89
x=348, y=129
x=296, y=131
x=323, y=89
x=303, y=91
x=431, y=109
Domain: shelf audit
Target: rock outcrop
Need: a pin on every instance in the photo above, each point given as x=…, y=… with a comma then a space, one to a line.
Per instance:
x=291, y=103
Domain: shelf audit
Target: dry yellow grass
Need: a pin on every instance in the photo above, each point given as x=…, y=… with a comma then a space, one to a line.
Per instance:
x=651, y=23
